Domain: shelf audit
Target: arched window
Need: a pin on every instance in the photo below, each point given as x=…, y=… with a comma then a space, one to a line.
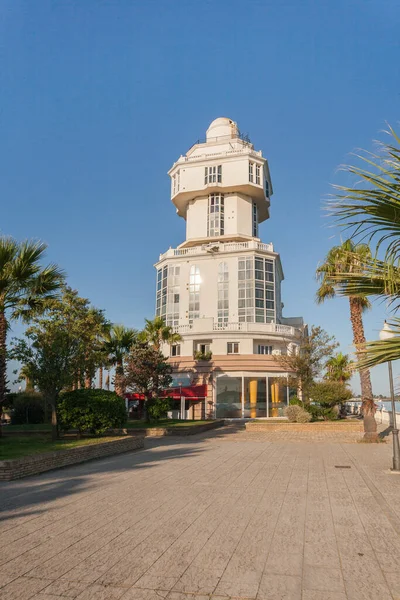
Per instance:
x=194, y=293
x=223, y=293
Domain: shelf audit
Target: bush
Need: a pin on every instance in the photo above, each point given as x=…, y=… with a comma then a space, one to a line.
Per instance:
x=327, y=395
x=91, y=410
x=295, y=401
x=157, y=408
x=297, y=414
x=28, y=407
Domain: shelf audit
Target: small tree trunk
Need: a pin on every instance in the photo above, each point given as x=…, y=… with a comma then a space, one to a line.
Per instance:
x=3, y=364
x=54, y=425
x=367, y=400
x=119, y=379
x=101, y=378
x=88, y=381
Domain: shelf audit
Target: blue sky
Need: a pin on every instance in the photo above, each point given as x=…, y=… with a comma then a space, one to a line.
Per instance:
x=99, y=98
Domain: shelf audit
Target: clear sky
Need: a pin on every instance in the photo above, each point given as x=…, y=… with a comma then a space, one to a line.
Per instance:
x=99, y=98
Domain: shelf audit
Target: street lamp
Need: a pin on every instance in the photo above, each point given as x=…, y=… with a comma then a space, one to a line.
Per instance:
x=386, y=334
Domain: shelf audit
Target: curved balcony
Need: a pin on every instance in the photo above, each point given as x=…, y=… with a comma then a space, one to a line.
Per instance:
x=218, y=247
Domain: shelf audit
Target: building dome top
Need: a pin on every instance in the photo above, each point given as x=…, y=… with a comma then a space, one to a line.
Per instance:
x=222, y=127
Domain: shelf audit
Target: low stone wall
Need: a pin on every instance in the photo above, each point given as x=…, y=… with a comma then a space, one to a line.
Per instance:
x=39, y=463
x=179, y=431
x=353, y=426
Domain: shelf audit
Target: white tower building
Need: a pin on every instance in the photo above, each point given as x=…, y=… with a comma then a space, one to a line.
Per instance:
x=221, y=288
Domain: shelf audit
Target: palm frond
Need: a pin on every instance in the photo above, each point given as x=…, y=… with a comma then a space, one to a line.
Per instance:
x=380, y=351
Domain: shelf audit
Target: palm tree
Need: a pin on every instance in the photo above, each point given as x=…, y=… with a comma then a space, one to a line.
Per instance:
x=25, y=286
x=26, y=373
x=117, y=343
x=372, y=211
x=338, y=368
x=341, y=260
x=156, y=332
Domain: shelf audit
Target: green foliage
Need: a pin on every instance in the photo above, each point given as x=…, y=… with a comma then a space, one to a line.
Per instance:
x=338, y=368
x=297, y=414
x=158, y=408
x=157, y=332
x=307, y=364
x=28, y=407
x=295, y=401
x=91, y=410
x=327, y=395
x=198, y=355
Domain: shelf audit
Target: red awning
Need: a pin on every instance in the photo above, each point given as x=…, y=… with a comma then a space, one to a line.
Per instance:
x=190, y=392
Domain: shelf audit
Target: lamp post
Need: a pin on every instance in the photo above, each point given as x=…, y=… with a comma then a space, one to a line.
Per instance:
x=386, y=334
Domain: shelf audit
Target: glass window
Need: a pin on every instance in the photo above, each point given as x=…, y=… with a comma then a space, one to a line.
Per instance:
x=233, y=348
x=229, y=397
x=194, y=293
x=176, y=350
x=267, y=188
x=277, y=396
x=258, y=176
x=255, y=397
x=264, y=349
x=213, y=174
x=251, y=172
x=256, y=291
x=223, y=293
x=255, y=219
x=215, y=217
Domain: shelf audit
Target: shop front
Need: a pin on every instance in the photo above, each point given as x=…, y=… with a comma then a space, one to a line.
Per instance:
x=248, y=396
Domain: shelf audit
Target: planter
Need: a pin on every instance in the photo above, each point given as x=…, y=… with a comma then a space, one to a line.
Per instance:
x=353, y=426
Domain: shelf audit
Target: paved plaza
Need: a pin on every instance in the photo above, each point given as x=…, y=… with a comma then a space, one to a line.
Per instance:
x=220, y=515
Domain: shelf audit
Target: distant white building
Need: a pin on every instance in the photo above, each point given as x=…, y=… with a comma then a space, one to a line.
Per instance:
x=221, y=288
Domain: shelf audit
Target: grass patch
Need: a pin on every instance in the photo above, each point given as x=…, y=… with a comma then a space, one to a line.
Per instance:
x=162, y=423
x=18, y=446
x=28, y=427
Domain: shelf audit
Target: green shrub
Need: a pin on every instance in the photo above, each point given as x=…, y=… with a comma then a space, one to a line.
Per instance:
x=27, y=407
x=94, y=411
x=297, y=414
x=295, y=401
x=327, y=396
x=157, y=408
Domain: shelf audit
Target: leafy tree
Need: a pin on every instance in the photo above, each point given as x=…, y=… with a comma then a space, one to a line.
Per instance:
x=350, y=258
x=338, y=368
x=147, y=372
x=24, y=285
x=27, y=408
x=50, y=353
x=117, y=342
x=91, y=410
x=157, y=408
x=327, y=395
x=156, y=332
x=307, y=364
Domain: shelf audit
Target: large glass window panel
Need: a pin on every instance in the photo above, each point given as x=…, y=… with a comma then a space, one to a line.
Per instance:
x=229, y=397
x=277, y=396
x=255, y=397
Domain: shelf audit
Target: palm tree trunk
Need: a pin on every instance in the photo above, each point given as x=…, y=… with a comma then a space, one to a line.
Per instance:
x=368, y=404
x=101, y=378
x=88, y=381
x=119, y=376
x=3, y=364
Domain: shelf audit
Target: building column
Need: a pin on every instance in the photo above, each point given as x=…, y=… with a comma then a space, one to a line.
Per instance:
x=253, y=397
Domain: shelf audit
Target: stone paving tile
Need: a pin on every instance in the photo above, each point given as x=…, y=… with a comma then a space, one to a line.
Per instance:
x=258, y=518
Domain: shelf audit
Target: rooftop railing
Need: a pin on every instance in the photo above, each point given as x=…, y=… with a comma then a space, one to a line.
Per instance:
x=218, y=247
x=198, y=326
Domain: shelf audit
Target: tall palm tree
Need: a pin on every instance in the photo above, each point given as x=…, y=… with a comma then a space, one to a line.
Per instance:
x=26, y=373
x=25, y=286
x=117, y=343
x=338, y=368
x=341, y=260
x=156, y=332
x=372, y=210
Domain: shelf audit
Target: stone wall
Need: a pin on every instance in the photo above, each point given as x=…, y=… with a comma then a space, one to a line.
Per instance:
x=39, y=463
x=317, y=427
x=181, y=430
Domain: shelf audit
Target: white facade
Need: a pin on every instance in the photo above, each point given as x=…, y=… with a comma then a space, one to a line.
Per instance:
x=221, y=288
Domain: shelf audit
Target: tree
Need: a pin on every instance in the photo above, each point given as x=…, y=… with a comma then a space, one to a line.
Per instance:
x=24, y=286
x=156, y=332
x=50, y=353
x=339, y=262
x=26, y=374
x=306, y=365
x=338, y=368
x=91, y=410
x=327, y=395
x=147, y=372
x=117, y=343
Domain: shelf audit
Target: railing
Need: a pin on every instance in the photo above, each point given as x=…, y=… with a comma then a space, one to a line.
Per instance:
x=220, y=247
x=198, y=327
x=227, y=153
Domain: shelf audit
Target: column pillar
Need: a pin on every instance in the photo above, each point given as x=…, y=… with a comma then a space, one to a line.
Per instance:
x=253, y=397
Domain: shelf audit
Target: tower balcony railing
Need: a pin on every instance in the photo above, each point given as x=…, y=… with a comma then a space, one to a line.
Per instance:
x=218, y=248
x=200, y=326
x=228, y=153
